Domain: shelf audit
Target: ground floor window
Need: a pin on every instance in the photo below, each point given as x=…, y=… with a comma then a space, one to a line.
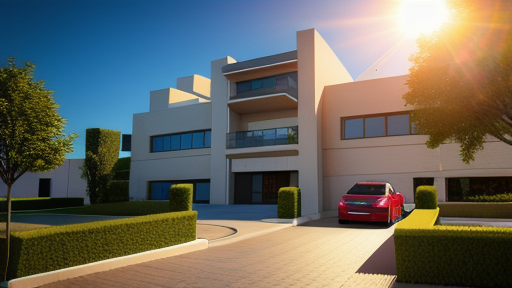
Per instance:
x=159, y=190
x=459, y=189
x=423, y=181
x=261, y=187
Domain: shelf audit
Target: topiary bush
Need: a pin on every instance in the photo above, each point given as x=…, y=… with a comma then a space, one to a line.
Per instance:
x=101, y=154
x=121, y=169
x=118, y=191
x=426, y=197
x=58, y=247
x=181, y=197
x=288, y=202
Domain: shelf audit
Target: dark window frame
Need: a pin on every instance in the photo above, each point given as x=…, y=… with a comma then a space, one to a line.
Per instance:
x=161, y=138
x=364, y=117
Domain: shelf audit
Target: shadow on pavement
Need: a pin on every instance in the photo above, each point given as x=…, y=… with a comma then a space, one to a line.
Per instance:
x=382, y=260
x=332, y=222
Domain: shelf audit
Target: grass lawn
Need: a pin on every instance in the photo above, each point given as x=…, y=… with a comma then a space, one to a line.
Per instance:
x=130, y=208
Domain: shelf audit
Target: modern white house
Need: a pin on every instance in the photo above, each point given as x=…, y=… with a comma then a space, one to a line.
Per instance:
x=62, y=182
x=293, y=119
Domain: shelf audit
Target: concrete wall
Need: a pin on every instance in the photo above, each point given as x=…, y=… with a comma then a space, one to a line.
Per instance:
x=318, y=67
x=394, y=159
x=195, y=84
x=170, y=165
x=65, y=182
x=287, y=163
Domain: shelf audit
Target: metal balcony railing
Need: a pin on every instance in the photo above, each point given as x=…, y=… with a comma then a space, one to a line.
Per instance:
x=267, y=137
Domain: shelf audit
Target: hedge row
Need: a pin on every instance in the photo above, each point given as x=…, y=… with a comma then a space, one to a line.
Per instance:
x=58, y=247
x=18, y=204
x=505, y=197
x=476, y=210
x=118, y=191
x=288, y=202
x=451, y=255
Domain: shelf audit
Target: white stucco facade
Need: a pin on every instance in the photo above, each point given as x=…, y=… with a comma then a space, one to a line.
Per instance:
x=64, y=182
x=285, y=120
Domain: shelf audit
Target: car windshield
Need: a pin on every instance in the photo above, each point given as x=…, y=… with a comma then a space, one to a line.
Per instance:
x=368, y=189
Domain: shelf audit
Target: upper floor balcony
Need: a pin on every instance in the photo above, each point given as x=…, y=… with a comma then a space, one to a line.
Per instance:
x=273, y=85
x=266, y=137
x=263, y=84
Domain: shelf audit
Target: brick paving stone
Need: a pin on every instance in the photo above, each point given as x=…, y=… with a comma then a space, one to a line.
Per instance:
x=319, y=254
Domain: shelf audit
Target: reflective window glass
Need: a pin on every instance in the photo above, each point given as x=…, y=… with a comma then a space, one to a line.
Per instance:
x=207, y=138
x=243, y=86
x=203, y=191
x=158, y=144
x=186, y=141
x=167, y=143
x=375, y=126
x=398, y=125
x=175, y=142
x=198, y=140
x=269, y=82
x=354, y=128
x=256, y=84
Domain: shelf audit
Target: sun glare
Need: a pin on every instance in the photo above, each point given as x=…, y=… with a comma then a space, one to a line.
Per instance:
x=422, y=16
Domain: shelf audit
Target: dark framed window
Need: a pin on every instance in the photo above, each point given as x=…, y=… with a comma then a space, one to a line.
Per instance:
x=378, y=125
x=181, y=141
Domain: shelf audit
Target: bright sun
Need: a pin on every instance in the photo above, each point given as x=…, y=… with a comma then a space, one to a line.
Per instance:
x=422, y=16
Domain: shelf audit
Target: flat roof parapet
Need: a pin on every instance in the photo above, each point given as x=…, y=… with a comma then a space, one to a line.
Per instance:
x=260, y=62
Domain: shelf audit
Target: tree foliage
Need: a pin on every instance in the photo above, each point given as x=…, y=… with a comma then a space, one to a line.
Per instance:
x=461, y=80
x=31, y=130
x=101, y=154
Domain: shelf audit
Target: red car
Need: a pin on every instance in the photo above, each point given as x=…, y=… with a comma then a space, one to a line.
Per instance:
x=371, y=201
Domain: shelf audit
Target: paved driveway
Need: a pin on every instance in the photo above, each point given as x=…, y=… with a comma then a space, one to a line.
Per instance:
x=321, y=253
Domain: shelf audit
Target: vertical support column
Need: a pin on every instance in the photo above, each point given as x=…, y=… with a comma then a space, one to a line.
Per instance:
x=219, y=97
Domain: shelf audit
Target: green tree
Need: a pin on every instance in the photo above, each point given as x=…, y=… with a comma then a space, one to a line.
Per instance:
x=101, y=154
x=31, y=130
x=460, y=84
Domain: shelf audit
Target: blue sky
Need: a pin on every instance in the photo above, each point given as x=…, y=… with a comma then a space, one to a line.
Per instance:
x=102, y=57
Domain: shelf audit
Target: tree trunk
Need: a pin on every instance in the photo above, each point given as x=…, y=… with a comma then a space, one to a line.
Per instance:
x=8, y=230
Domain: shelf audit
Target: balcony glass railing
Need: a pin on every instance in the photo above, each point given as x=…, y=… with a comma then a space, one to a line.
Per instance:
x=283, y=83
x=267, y=137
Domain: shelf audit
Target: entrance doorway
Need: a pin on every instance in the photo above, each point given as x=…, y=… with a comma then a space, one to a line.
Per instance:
x=260, y=187
x=44, y=187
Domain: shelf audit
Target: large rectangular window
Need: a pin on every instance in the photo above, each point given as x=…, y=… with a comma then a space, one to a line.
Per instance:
x=376, y=126
x=159, y=190
x=181, y=141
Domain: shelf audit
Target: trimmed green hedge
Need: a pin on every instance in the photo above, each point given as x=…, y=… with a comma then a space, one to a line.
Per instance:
x=451, y=255
x=505, y=197
x=18, y=204
x=181, y=197
x=476, y=210
x=48, y=249
x=118, y=191
x=426, y=197
x=288, y=202
x=121, y=169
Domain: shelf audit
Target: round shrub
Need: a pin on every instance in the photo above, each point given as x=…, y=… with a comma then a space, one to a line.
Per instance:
x=426, y=197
